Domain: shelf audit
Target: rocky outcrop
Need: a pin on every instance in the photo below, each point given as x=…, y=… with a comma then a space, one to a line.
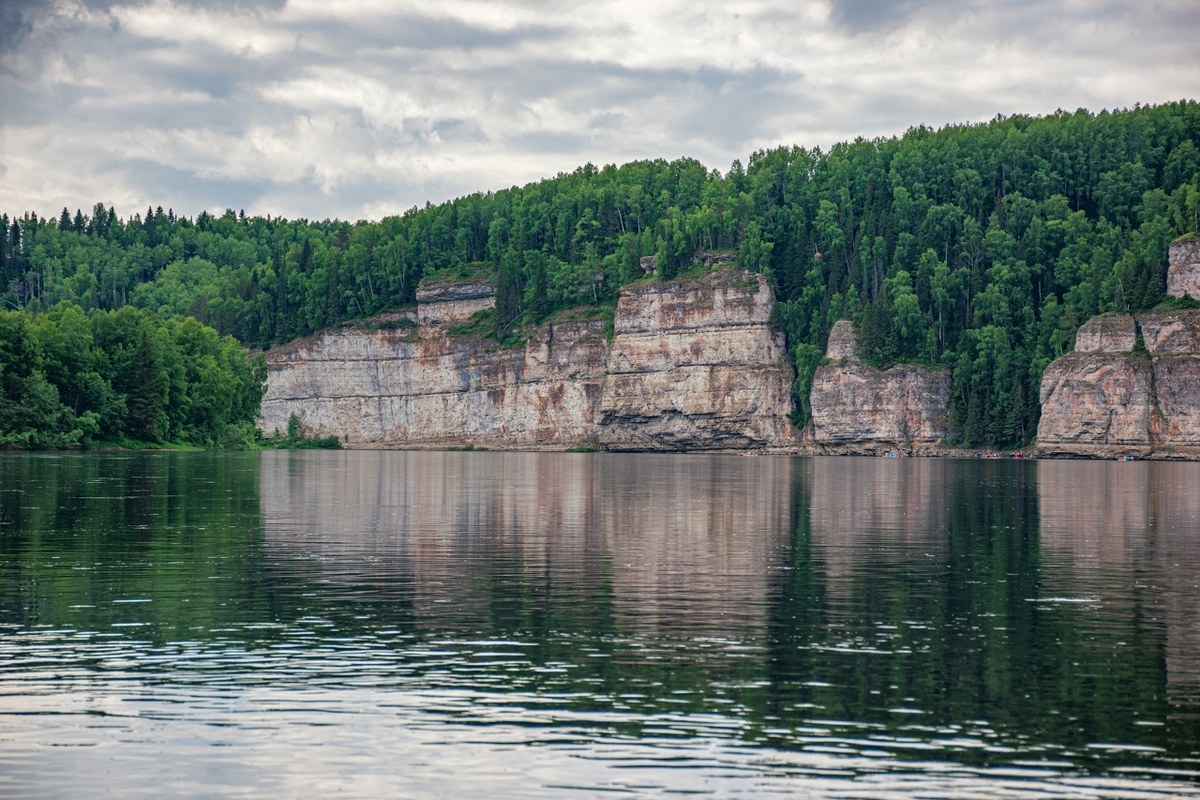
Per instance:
x=843, y=341
x=1183, y=272
x=1096, y=399
x=693, y=365
x=857, y=408
x=1109, y=333
x=437, y=304
x=380, y=388
x=1106, y=402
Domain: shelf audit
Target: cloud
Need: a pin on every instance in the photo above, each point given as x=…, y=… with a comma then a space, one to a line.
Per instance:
x=358, y=109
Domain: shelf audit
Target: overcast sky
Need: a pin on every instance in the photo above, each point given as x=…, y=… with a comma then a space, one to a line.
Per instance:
x=363, y=108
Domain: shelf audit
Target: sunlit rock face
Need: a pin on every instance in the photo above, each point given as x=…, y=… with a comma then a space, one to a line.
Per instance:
x=693, y=365
x=1108, y=398
x=1183, y=272
x=857, y=408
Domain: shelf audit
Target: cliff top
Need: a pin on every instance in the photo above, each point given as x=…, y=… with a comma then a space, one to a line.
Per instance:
x=724, y=273
x=478, y=272
x=1110, y=333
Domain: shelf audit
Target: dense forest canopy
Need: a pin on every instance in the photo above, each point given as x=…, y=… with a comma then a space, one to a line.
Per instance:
x=980, y=248
x=69, y=378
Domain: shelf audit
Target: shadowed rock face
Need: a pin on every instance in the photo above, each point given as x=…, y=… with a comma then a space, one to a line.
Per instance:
x=692, y=365
x=1105, y=403
x=858, y=408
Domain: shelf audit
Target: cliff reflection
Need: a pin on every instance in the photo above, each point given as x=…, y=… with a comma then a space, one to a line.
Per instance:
x=676, y=545
x=1127, y=536
x=866, y=513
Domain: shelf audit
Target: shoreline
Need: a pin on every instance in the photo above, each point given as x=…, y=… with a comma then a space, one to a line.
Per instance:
x=863, y=450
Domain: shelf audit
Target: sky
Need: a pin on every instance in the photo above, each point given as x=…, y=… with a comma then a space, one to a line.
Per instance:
x=359, y=110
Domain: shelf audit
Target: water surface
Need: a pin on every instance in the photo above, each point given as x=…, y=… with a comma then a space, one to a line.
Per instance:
x=392, y=624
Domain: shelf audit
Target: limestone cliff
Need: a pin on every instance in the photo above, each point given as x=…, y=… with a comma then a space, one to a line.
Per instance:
x=1108, y=398
x=857, y=408
x=693, y=365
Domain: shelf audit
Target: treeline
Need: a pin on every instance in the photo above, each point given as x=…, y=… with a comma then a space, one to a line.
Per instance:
x=980, y=248
x=122, y=377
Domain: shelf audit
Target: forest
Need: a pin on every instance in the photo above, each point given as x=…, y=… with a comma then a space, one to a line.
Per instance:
x=979, y=248
x=123, y=377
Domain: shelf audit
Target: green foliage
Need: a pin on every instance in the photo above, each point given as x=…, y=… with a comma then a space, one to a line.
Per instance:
x=295, y=439
x=934, y=243
x=126, y=376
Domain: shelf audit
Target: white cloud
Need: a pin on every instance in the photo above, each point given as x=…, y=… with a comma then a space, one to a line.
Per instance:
x=356, y=109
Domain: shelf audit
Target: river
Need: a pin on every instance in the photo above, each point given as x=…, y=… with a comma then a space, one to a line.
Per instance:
x=476, y=624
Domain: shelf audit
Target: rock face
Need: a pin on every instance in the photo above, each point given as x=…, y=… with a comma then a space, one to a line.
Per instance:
x=1109, y=333
x=695, y=365
x=1091, y=399
x=448, y=303
x=1107, y=403
x=1183, y=274
x=843, y=341
x=692, y=365
x=857, y=408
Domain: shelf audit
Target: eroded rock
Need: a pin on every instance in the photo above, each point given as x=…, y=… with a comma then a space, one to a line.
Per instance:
x=843, y=341
x=1096, y=398
x=694, y=365
x=1171, y=332
x=439, y=304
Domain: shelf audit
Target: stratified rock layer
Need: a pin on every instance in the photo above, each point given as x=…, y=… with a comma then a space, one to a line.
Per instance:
x=695, y=365
x=857, y=408
x=692, y=366
x=456, y=301
x=1094, y=398
x=1106, y=404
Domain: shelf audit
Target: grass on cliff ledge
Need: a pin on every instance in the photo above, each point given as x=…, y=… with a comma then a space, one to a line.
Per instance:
x=1176, y=304
x=475, y=272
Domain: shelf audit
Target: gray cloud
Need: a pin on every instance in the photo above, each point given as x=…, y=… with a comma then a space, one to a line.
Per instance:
x=15, y=24
x=305, y=109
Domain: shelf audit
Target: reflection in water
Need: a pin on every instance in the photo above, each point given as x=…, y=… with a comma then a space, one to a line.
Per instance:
x=1128, y=537
x=522, y=624
x=677, y=545
x=864, y=510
